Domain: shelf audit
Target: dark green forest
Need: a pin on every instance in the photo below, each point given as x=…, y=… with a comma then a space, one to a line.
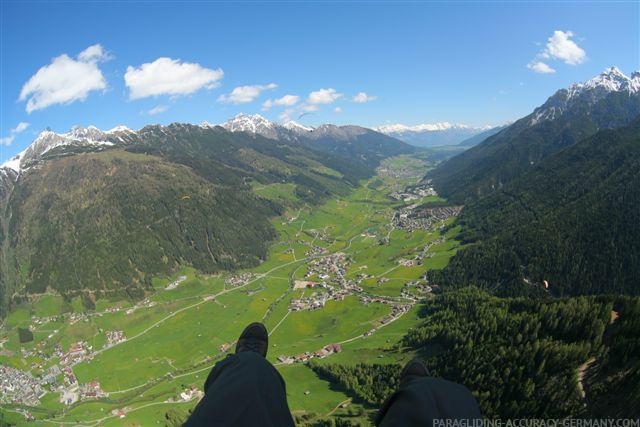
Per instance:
x=519, y=356
x=572, y=221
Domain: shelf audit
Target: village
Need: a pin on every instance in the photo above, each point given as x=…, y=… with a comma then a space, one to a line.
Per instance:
x=412, y=218
x=326, y=279
x=414, y=192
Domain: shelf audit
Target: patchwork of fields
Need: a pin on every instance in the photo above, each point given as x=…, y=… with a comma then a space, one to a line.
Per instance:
x=360, y=290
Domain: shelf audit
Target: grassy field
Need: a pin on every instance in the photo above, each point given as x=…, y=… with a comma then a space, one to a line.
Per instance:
x=175, y=336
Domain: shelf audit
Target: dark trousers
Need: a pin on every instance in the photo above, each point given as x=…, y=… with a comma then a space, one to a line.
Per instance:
x=422, y=400
x=244, y=389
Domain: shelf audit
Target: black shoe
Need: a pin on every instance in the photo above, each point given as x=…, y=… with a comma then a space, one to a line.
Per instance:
x=254, y=338
x=412, y=370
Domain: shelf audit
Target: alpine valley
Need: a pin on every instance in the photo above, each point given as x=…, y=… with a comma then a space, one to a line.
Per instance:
x=131, y=259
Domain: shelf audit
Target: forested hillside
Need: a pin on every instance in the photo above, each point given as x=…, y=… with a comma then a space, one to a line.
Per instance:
x=572, y=221
x=567, y=118
x=160, y=198
x=521, y=358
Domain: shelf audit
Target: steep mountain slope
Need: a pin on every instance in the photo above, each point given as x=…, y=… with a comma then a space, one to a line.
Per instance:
x=108, y=220
x=477, y=139
x=607, y=101
x=571, y=221
x=93, y=210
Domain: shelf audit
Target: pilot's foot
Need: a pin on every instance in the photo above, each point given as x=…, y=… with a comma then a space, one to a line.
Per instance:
x=254, y=338
x=412, y=370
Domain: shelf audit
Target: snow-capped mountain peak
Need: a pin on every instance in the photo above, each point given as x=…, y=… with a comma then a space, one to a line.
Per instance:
x=431, y=134
x=47, y=140
x=593, y=90
x=248, y=123
x=611, y=79
x=120, y=128
x=296, y=127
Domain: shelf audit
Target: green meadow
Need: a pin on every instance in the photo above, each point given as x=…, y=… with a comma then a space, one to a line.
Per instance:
x=176, y=335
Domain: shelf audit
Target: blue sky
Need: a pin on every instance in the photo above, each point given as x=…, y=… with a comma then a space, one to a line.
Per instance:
x=78, y=63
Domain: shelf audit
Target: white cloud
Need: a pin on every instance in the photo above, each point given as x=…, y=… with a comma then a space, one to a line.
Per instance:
x=287, y=101
x=93, y=53
x=157, y=110
x=22, y=126
x=7, y=140
x=65, y=80
x=166, y=76
x=362, y=97
x=560, y=46
x=337, y=110
x=540, y=67
x=323, y=96
x=245, y=94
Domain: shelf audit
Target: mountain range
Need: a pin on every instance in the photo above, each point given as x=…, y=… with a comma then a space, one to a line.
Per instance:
x=104, y=211
x=554, y=197
x=607, y=101
x=434, y=135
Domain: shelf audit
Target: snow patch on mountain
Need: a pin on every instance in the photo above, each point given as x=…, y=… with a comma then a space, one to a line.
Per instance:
x=296, y=127
x=593, y=90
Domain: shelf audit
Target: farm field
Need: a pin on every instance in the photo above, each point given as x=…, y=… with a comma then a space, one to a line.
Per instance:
x=339, y=274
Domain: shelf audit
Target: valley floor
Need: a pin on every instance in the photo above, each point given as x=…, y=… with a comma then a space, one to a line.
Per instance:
x=341, y=285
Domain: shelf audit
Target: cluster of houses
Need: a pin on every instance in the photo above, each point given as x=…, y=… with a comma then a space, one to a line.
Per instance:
x=114, y=337
x=320, y=235
x=78, y=352
x=415, y=192
x=418, y=258
x=397, y=172
x=332, y=284
x=396, y=311
x=325, y=351
x=315, y=251
x=91, y=390
x=19, y=387
x=239, y=279
x=186, y=395
x=71, y=391
x=412, y=219
x=415, y=288
x=120, y=412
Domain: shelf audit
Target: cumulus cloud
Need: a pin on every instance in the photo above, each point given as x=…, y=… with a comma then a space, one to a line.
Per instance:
x=7, y=140
x=245, y=94
x=286, y=101
x=323, y=96
x=157, y=110
x=337, y=110
x=166, y=76
x=65, y=80
x=559, y=47
x=540, y=67
x=362, y=97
